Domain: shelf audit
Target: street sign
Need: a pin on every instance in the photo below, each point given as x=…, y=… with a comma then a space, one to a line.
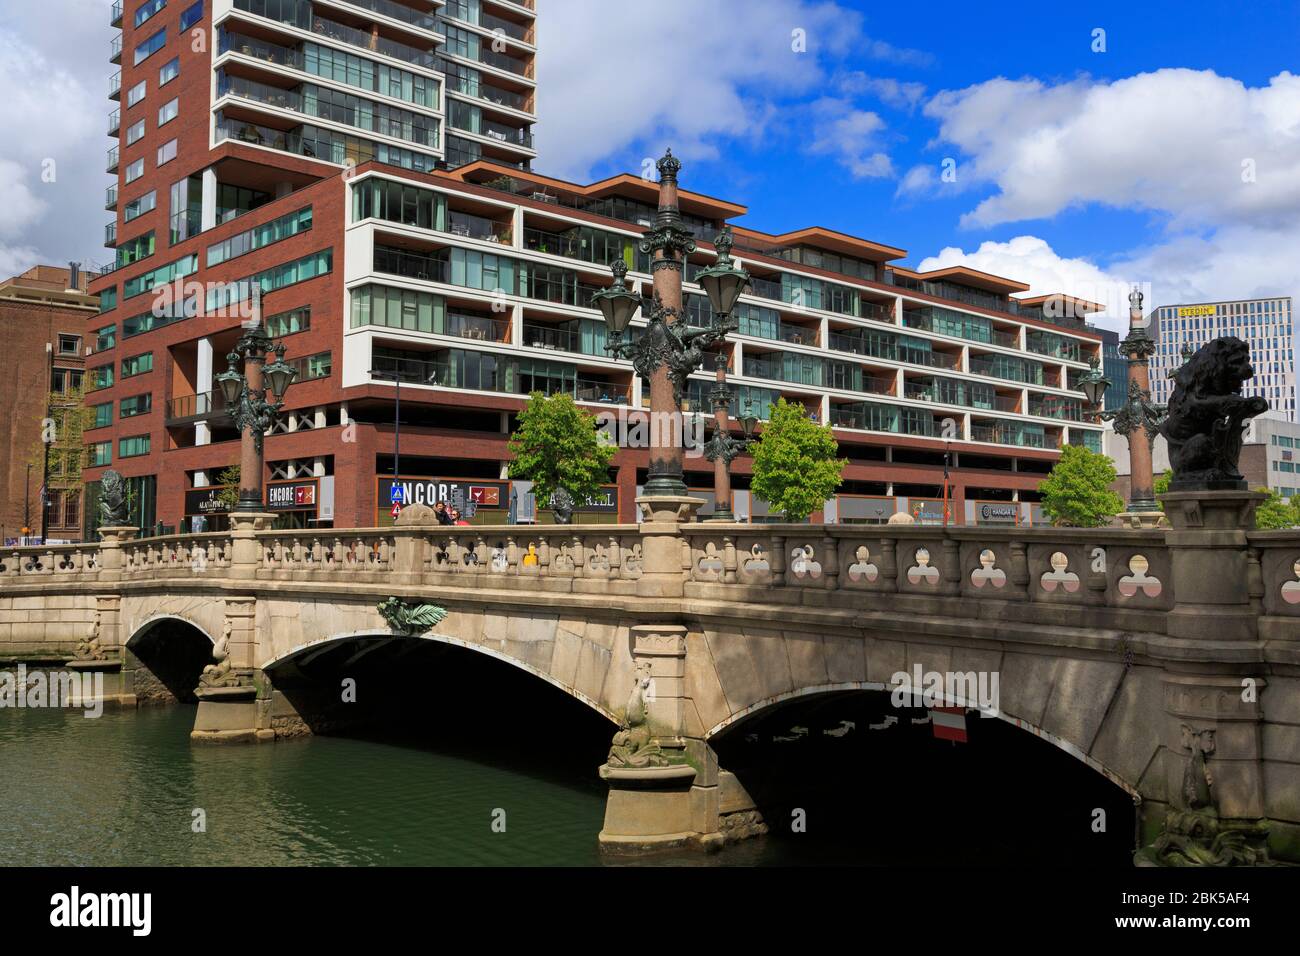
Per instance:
x=397, y=509
x=395, y=495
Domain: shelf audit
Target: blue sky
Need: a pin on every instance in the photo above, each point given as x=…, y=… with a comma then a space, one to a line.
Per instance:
x=888, y=80
x=1076, y=170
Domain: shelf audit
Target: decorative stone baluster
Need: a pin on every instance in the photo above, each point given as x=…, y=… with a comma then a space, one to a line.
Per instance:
x=615, y=558
x=1255, y=581
x=888, y=564
x=776, y=561
x=728, y=559
x=512, y=555
x=1019, y=576
x=830, y=563
x=579, y=556
x=951, y=569
x=544, y=555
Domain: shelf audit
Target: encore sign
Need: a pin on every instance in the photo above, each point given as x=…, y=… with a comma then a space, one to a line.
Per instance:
x=487, y=494
x=292, y=496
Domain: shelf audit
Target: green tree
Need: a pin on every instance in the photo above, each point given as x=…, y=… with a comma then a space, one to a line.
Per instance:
x=1275, y=513
x=228, y=479
x=1162, y=486
x=795, y=468
x=556, y=447
x=1077, y=492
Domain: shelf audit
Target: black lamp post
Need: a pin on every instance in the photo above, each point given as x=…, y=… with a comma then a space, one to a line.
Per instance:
x=668, y=352
x=245, y=396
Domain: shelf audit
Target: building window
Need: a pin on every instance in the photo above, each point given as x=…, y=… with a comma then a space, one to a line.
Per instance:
x=290, y=273
x=287, y=323
x=133, y=447
x=69, y=344
x=182, y=267
x=313, y=366
x=135, y=170
x=259, y=236
x=100, y=453
x=133, y=250
x=135, y=94
x=106, y=338
x=192, y=15
x=101, y=415
x=137, y=364
x=71, y=511
x=65, y=380
x=148, y=9
x=150, y=46
x=170, y=70
x=167, y=112
x=167, y=152
x=136, y=405
x=138, y=207
x=108, y=299
x=134, y=132
x=100, y=377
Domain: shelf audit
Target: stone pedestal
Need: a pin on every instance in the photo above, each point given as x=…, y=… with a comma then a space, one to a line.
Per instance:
x=244, y=558
x=1142, y=520
x=661, y=543
x=114, y=692
x=648, y=809
x=111, y=559
x=225, y=715
x=1211, y=559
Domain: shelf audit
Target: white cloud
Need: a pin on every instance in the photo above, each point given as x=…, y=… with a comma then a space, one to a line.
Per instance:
x=54, y=69
x=1173, y=141
x=679, y=73
x=897, y=94
x=850, y=135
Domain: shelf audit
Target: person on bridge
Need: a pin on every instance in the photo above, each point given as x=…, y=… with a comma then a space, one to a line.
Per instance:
x=440, y=511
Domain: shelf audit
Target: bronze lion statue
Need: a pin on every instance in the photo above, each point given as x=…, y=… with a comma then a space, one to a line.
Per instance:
x=1207, y=414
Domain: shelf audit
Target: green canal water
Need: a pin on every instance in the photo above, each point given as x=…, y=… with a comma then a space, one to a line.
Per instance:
x=121, y=790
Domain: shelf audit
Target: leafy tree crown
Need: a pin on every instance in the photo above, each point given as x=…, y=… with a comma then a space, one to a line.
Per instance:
x=1077, y=491
x=555, y=445
x=795, y=468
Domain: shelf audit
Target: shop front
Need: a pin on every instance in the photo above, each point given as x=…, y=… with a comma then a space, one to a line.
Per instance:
x=480, y=501
x=995, y=513
x=300, y=503
x=865, y=509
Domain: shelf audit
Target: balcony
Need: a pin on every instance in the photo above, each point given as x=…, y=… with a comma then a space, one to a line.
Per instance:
x=556, y=338
x=372, y=42
x=115, y=50
x=115, y=16
x=494, y=94
x=112, y=160
x=516, y=31
x=260, y=50
x=1007, y=435
x=765, y=288
x=505, y=378
x=477, y=328
x=507, y=134
x=115, y=86
x=1067, y=409
x=411, y=265
x=110, y=197
x=416, y=18
x=110, y=235
x=1011, y=370
x=477, y=227
x=259, y=92
x=114, y=122
x=191, y=408
x=503, y=61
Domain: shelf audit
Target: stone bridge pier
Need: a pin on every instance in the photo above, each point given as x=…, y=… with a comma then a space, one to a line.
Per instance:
x=1166, y=660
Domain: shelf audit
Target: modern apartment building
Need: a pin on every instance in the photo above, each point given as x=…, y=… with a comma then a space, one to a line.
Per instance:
x=43, y=315
x=465, y=282
x=1266, y=325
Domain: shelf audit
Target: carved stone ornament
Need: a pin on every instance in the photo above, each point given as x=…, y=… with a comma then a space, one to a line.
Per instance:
x=88, y=648
x=112, y=499
x=1207, y=414
x=1194, y=835
x=633, y=747
x=221, y=673
x=408, y=619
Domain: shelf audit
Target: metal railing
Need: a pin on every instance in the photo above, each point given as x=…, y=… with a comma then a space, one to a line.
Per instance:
x=372, y=42
x=204, y=404
x=412, y=265
x=398, y=11
x=115, y=86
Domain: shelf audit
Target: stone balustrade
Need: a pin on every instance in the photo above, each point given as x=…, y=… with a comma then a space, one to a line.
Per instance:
x=1108, y=569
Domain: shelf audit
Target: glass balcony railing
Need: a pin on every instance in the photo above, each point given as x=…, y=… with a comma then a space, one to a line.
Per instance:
x=115, y=86
x=478, y=328
x=114, y=122
x=411, y=265
x=110, y=197
x=477, y=227
x=115, y=17
x=493, y=94
x=115, y=50
x=112, y=160
x=260, y=49
x=259, y=92
x=202, y=405
x=503, y=61
x=372, y=42
x=1067, y=409
x=1007, y=435
x=1011, y=370
x=516, y=31
x=398, y=11
x=507, y=134
x=506, y=377
x=110, y=234
x=563, y=340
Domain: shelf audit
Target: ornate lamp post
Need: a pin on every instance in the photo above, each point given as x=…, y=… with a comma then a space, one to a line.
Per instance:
x=245, y=396
x=1136, y=416
x=668, y=352
x=721, y=448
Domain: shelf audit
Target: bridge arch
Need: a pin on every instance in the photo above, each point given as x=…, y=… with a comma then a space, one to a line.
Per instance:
x=165, y=655
x=304, y=652
x=775, y=701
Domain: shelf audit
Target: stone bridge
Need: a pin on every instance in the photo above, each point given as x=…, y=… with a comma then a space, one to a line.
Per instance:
x=1152, y=656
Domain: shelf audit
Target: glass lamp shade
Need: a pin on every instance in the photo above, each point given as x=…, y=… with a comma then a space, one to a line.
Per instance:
x=748, y=423
x=1093, y=384
x=279, y=375
x=231, y=383
x=618, y=306
x=723, y=285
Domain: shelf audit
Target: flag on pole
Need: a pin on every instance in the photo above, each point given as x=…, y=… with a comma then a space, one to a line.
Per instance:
x=949, y=723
